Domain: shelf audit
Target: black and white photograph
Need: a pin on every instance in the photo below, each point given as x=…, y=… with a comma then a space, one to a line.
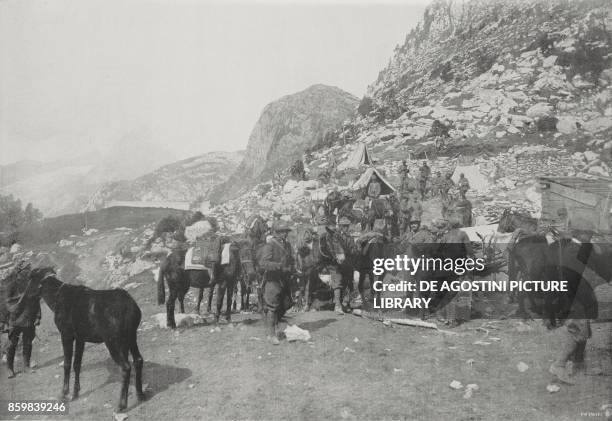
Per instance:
x=306, y=210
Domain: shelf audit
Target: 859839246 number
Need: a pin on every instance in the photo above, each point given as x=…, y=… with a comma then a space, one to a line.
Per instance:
x=33, y=407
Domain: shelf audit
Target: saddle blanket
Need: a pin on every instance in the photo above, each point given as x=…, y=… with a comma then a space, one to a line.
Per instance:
x=189, y=265
x=225, y=254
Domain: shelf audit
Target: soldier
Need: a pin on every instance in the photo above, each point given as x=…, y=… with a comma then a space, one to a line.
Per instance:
x=23, y=304
x=405, y=213
x=346, y=272
x=436, y=184
x=458, y=244
x=403, y=171
x=277, y=262
x=464, y=185
x=374, y=188
x=446, y=185
x=424, y=173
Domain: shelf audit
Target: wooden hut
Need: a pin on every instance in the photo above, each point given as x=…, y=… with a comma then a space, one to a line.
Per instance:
x=586, y=204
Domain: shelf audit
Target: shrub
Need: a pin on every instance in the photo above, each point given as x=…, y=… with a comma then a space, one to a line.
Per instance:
x=168, y=224
x=547, y=124
x=365, y=106
x=439, y=129
x=444, y=71
x=484, y=60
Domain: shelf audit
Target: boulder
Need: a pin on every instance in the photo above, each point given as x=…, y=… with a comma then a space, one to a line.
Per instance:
x=539, y=110
x=295, y=333
x=549, y=61
x=590, y=156
x=567, y=124
x=598, y=170
x=15, y=248
x=598, y=124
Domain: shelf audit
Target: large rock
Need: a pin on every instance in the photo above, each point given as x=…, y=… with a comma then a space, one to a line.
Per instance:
x=539, y=110
x=567, y=124
x=598, y=124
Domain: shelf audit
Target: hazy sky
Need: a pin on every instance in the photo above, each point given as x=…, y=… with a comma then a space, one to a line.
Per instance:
x=79, y=76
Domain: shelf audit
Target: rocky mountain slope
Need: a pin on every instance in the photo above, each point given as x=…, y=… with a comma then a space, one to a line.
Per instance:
x=285, y=129
x=492, y=69
x=188, y=180
x=518, y=88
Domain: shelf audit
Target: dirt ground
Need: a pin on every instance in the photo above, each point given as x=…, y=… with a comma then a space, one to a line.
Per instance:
x=354, y=368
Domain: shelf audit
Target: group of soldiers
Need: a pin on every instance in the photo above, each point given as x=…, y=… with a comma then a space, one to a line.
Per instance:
x=414, y=190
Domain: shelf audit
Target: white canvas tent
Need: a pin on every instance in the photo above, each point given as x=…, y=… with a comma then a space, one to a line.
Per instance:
x=360, y=156
x=478, y=181
x=364, y=180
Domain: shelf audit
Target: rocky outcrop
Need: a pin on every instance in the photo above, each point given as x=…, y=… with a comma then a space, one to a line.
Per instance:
x=285, y=129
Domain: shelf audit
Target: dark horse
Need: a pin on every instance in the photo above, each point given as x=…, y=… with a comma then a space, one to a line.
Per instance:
x=510, y=221
x=533, y=259
x=362, y=258
x=249, y=276
x=86, y=315
x=172, y=271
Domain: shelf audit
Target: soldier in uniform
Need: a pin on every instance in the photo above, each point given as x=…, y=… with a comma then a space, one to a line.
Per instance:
x=277, y=262
x=403, y=171
x=405, y=213
x=458, y=310
x=424, y=173
x=374, y=188
x=436, y=184
x=23, y=304
x=446, y=185
x=464, y=185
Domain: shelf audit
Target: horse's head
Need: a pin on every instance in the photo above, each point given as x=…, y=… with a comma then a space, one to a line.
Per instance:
x=332, y=247
x=38, y=278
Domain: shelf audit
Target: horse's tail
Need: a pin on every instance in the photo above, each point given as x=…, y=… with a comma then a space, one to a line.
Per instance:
x=161, y=291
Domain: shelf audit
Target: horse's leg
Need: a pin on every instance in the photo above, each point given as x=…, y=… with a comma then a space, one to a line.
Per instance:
x=119, y=354
x=200, y=296
x=78, y=356
x=67, y=345
x=221, y=288
x=360, y=286
x=181, y=299
x=245, y=289
x=170, y=321
x=138, y=362
x=211, y=291
x=230, y=294
x=307, y=291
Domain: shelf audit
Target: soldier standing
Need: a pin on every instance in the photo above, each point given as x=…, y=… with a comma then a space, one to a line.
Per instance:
x=374, y=188
x=447, y=184
x=23, y=304
x=464, y=185
x=459, y=244
x=436, y=184
x=424, y=173
x=277, y=262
